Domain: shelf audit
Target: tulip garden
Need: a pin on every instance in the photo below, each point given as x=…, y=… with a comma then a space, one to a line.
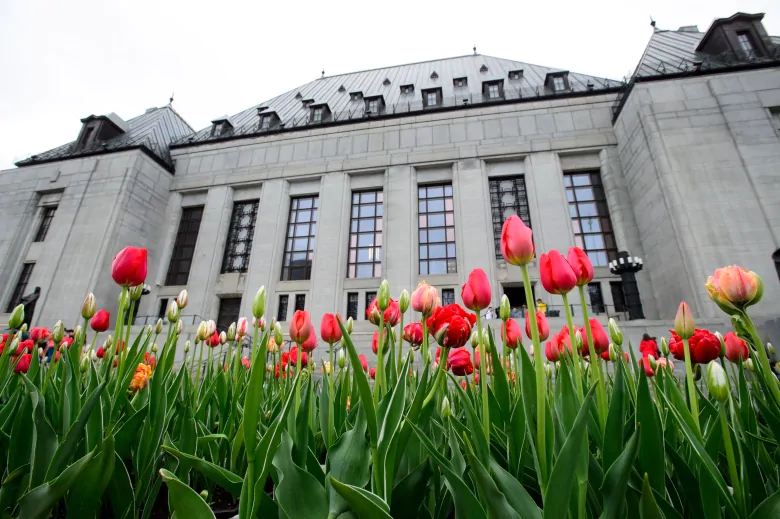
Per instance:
x=447, y=418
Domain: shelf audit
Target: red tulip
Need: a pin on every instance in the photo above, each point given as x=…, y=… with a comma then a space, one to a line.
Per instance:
x=375, y=342
x=649, y=347
x=460, y=362
x=413, y=334
x=129, y=267
x=100, y=321
x=542, y=326
x=600, y=338
x=476, y=291
x=245, y=362
x=735, y=348
x=23, y=364
x=451, y=325
x=285, y=359
x=517, y=245
x=100, y=353
x=294, y=357
x=363, y=362
x=392, y=313
x=28, y=345
x=310, y=343
x=39, y=334
x=512, y=334
x=372, y=373
x=553, y=349
x=463, y=384
x=704, y=346
x=556, y=273
x=581, y=265
x=330, y=331
x=67, y=341
x=213, y=341
x=300, y=326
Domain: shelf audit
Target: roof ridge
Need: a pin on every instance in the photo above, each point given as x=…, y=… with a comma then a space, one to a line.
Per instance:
x=401, y=65
x=172, y=109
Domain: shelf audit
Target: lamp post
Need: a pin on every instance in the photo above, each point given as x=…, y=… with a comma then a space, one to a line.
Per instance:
x=627, y=266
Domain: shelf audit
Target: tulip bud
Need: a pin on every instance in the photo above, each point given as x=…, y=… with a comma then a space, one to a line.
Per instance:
x=179, y=327
x=187, y=347
x=613, y=354
x=155, y=348
x=261, y=324
x=77, y=333
x=222, y=338
x=531, y=351
x=770, y=348
x=341, y=358
x=158, y=327
x=40, y=352
x=173, y=312
x=445, y=408
x=615, y=333
x=93, y=355
x=548, y=370
x=148, y=329
x=651, y=361
x=684, y=324
x=383, y=296
x=16, y=318
x=350, y=325
x=204, y=494
x=313, y=365
x=697, y=372
x=664, y=347
x=211, y=327
x=278, y=334
x=58, y=332
x=716, y=381
x=748, y=363
x=474, y=339
x=326, y=367
x=578, y=340
x=136, y=292
x=231, y=332
x=722, y=344
x=258, y=305
x=109, y=342
x=504, y=310
x=23, y=328
x=182, y=299
x=89, y=306
x=403, y=301
x=62, y=348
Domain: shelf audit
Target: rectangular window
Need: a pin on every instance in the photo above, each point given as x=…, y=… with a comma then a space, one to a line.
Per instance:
x=317, y=115
x=596, y=298
x=745, y=43
x=436, y=222
x=162, y=310
x=493, y=91
x=21, y=286
x=281, y=310
x=365, y=235
x=229, y=310
x=618, y=296
x=301, y=232
x=370, y=296
x=431, y=98
x=300, y=302
x=507, y=197
x=590, y=216
x=373, y=106
x=558, y=83
x=184, y=246
x=240, y=235
x=448, y=296
x=46, y=217
x=352, y=305
x=266, y=123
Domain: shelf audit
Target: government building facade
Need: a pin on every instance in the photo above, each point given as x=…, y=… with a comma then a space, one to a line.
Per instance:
x=407, y=173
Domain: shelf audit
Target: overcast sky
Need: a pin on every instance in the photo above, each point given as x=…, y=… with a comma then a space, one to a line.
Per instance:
x=63, y=60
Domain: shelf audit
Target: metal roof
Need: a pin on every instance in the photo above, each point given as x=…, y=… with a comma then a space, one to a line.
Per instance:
x=152, y=131
x=387, y=82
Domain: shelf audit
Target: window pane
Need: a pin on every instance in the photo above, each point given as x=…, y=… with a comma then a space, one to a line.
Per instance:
x=590, y=217
x=590, y=225
x=436, y=235
x=437, y=267
x=584, y=193
x=435, y=191
x=435, y=205
x=436, y=222
x=365, y=270
x=594, y=241
x=240, y=234
x=587, y=209
x=437, y=251
x=366, y=225
x=423, y=252
x=184, y=246
x=364, y=240
x=366, y=219
x=301, y=238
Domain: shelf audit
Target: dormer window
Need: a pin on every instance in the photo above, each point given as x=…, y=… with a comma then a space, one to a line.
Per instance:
x=220, y=126
x=431, y=97
x=319, y=113
x=268, y=120
x=741, y=36
x=493, y=90
x=434, y=75
x=307, y=102
x=265, y=123
x=355, y=96
x=515, y=75
x=100, y=129
x=558, y=84
x=460, y=82
x=375, y=105
x=483, y=68
x=407, y=89
x=557, y=81
x=745, y=42
x=316, y=115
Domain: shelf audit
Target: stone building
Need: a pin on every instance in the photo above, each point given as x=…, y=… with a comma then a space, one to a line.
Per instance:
x=407, y=173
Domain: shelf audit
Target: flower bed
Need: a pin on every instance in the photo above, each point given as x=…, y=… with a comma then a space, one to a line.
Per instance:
x=512, y=422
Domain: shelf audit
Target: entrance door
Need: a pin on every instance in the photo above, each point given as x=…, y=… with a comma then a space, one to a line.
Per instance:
x=517, y=301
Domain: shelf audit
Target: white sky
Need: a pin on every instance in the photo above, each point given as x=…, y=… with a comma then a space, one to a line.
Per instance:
x=63, y=60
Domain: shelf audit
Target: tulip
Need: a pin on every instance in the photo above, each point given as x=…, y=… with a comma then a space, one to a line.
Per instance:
x=129, y=267
x=372, y=373
x=39, y=334
x=213, y=340
x=326, y=367
x=158, y=327
x=100, y=321
x=231, y=332
x=383, y=296
x=684, y=324
x=504, y=309
x=222, y=338
x=413, y=334
x=300, y=326
x=716, y=381
x=581, y=265
x=141, y=377
x=615, y=333
x=310, y=343
x=261, y=323
x=553, y=349
x=187, y=346
x=475, y=339
x=512, y=333
x=278, y=335
x=330, y=331
x=101, y=352
x=350, y=325
x=733, y=288
x=23, y=364
x=451, y=325
x=375, y=343
x=363, y=362
x=600, y=338
x=182, y=299
x=293, y=357
x=556, y=273
x=749, y=365
x=241, y=327
x=770, y=348
x=517, y=246
x=136, y=292
x=392, y=312
x=341, y=358
x=58, y=332
x=89, y=306
x=16, y=319
x=403, y=301
x=424, y=299
x=476, y=291
x=542, y=326
x=155, y=348
x=736, y=348
x=445, y=407
x=664, y=347
x=258, y=304
x=460, y=362
x=211, y=327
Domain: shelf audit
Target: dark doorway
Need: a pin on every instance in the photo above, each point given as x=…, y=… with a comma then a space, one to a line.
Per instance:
x=596, y=298
x=517, y=301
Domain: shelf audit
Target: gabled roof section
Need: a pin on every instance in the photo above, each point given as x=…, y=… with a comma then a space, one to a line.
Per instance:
x=385, y=81
x=152, y=132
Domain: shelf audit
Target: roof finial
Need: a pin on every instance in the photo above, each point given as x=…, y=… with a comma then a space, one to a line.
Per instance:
x=170, y=101
x=652, y=22
x=475, y=49
x=323, y=73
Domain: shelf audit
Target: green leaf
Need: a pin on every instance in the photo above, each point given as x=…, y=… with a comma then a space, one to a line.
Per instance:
x=67, y=448
x=651, y=447
x=516, y=439
x=38, y=502
x=494, y=500
x=348, y=461
x=366, y=397
x=561, y=482
x=186, y=502
x=120, y=490
x=44, y=440
x=690, y=484
x=84, y=499
x=500, y=384
x=222, y=477
x=616, y=418
x=324, y=409
x=127, y=435
x=769, y=508
x=252, y=402
x=613, y=490
x=648, y=508
x=294, y=482
x=388, y=432
x=365, y=504
x=515, y=493
x=477, y=431
x=467, y=506
x=94, y=429
x=411, y=492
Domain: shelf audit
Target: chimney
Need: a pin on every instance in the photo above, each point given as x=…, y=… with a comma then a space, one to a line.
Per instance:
x=688, y=28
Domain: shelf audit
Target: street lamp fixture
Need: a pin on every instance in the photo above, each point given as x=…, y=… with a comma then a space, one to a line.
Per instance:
x=626, y=266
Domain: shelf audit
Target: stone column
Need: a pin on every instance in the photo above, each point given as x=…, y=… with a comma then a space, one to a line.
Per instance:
x=399, y=266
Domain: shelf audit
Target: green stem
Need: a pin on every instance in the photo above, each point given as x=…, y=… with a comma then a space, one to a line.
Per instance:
x=541, y=401
x=692, y=397
x=118, y=330
x=575, y=353
x=482, y=379
x=330, y=397
x=770, y=379
x=439, y=376
x=400, y=346
x=595, y=365
x=210, y=364
x=200, y=366
x=298, y=356
x=380, y=360
x=426, y=358
x=730, y=456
